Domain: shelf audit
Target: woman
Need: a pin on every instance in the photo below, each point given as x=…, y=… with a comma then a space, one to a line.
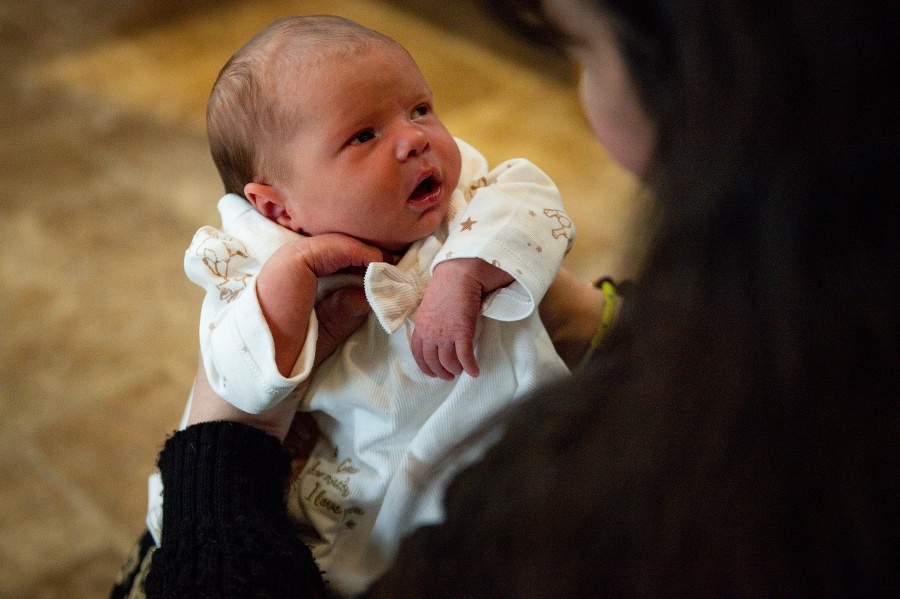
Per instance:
x=736, y=434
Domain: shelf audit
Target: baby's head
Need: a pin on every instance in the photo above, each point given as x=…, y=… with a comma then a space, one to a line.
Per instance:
x=327, y=126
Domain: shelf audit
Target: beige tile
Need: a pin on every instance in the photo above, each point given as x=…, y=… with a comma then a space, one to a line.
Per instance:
x=110, y=449
x=89, y=576
x=46, y=523
x=93, y=298
x=102, y=319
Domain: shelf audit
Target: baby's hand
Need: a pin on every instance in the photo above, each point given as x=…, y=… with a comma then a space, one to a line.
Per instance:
x=287, y=284
x=443, y=341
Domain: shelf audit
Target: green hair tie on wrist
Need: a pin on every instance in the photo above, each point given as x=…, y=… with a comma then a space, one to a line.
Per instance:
x=607, y=319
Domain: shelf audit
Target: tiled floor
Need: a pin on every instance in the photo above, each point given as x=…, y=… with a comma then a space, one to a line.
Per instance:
x=105, y=176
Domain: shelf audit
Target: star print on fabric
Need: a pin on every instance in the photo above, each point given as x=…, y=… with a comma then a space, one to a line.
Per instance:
x=467, y=224
x=449, y=255
x=539, y=249
x=532, y=213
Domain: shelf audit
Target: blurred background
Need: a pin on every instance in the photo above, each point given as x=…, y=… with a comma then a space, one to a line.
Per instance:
x=104, y=177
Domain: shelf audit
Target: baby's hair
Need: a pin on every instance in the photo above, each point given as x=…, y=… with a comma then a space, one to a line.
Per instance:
x=245, y=119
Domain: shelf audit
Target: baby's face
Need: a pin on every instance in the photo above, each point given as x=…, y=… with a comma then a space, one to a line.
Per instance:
x=371, y=159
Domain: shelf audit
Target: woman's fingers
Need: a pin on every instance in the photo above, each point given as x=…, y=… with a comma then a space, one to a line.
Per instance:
x=340, y=315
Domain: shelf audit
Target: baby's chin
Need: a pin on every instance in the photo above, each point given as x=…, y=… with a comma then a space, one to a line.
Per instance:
x=434, y=218
x=398, y=247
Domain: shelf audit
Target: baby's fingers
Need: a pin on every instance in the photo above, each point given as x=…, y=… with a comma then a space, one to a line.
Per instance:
x=447, y=355
x=331, y=252
x=431, y=356
x=465, y=358
x=428, y=359
x=418, y=351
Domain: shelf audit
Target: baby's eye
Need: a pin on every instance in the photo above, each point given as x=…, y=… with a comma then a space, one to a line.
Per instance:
x=420, y=111
x=362, y=137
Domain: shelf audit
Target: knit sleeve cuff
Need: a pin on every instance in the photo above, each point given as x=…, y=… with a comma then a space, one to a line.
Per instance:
x=220, y=472
x=226, y=532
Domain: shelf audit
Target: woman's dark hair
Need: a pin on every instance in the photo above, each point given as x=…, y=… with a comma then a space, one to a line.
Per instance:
x=738, y=434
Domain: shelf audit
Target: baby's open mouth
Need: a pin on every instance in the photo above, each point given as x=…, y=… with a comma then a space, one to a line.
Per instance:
x=423, y=189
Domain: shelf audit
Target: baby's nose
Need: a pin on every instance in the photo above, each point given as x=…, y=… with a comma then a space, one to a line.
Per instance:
x=412, y=142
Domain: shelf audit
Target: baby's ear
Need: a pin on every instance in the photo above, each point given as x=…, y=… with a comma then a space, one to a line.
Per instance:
x=269, y=202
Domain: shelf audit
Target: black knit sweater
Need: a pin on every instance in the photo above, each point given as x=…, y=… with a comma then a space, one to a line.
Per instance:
x=226, y=531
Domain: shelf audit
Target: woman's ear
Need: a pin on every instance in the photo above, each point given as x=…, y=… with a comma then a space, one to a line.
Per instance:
x=269, y=202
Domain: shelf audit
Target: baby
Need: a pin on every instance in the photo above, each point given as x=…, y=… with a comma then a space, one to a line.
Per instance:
x=320, y=126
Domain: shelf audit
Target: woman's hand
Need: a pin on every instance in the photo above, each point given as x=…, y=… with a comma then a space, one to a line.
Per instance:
x=339, y=315
x=570, y=311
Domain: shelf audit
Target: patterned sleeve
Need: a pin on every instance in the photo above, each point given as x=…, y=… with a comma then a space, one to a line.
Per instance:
x=515, y=220
x=235, y=341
